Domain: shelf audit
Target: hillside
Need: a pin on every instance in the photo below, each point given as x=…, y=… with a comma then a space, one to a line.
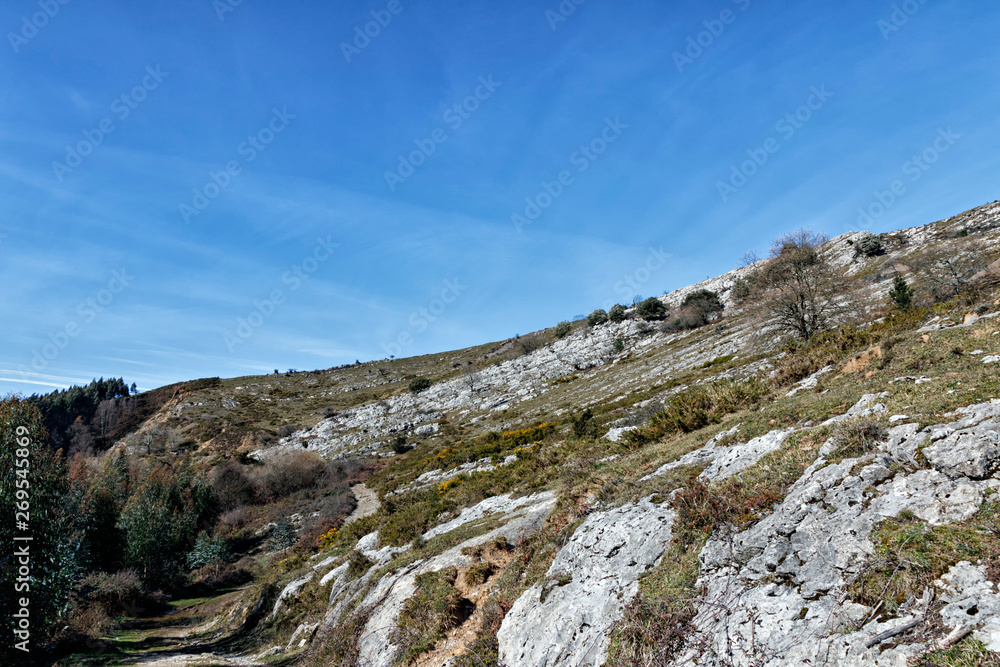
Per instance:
x=631, y=493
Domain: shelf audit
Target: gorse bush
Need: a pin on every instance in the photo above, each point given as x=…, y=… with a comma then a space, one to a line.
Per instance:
x=436, y=607
x=492, y=444
x=700, y=406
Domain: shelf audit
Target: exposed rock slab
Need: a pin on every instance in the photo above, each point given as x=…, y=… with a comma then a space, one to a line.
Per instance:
x=775, y=591
x=567, y=620
x=388, y=596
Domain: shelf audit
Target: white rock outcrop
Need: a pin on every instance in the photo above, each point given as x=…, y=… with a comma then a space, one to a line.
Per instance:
x=775, y=592
x=567, y=620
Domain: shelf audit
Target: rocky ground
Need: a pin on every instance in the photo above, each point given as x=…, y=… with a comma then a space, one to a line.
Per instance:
x=547, y=543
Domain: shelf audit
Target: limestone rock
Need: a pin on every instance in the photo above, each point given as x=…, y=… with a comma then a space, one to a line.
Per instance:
x=567, y=620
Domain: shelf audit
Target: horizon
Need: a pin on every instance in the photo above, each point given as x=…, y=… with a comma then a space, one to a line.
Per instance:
x=255, y=188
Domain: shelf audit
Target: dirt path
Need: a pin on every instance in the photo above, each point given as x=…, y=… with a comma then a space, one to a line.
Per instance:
x=183, y=637
x=368, y=503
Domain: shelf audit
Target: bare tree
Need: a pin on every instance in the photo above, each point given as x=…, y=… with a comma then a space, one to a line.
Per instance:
x=473, y=380
x=951, y=275
x=796, y=289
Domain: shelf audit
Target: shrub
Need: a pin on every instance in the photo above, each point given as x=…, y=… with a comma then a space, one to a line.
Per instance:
x=562, y=329
x=870, y=245
x=597, y=318
x=618, y=346
x=901, y=293
x=617, y=313
x=287, y=430
x=232, y=485
x=651, y=309
x=858, y=437
x=358, y=564
x=741, y=290
x=700, y=406
x=420, y=384
x=286, y=473
x=208, y=551
x=583, y=424
x=319, y=534
x=684, y=320
x=910, y=555
x=435, y=608
x=399, y=444
x=234, y=519
x=117, y=594
x=282, y=535
x=705, y=303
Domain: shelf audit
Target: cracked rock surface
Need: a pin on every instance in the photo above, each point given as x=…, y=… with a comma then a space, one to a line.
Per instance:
x=776, y=591
x=567, y=619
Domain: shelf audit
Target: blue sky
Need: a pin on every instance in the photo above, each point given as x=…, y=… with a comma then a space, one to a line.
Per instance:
x=278, y=139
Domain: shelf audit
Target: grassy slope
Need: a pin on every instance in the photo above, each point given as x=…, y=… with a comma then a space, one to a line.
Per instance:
x=579, y=466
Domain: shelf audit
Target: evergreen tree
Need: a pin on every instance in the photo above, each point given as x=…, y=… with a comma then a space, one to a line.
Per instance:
x=901, y=293
x=35, y=505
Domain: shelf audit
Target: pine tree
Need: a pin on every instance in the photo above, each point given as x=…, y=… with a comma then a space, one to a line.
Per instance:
x=901, y=294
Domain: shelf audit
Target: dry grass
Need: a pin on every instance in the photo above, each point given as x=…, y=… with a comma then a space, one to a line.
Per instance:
x=910, y=555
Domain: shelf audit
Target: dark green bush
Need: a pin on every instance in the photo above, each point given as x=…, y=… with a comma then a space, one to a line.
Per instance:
x=870, y=245
x=563, y=329
x=418, y=385
x=651, y=309
x=597, y=318
x=704, y=302
x=617, y=313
